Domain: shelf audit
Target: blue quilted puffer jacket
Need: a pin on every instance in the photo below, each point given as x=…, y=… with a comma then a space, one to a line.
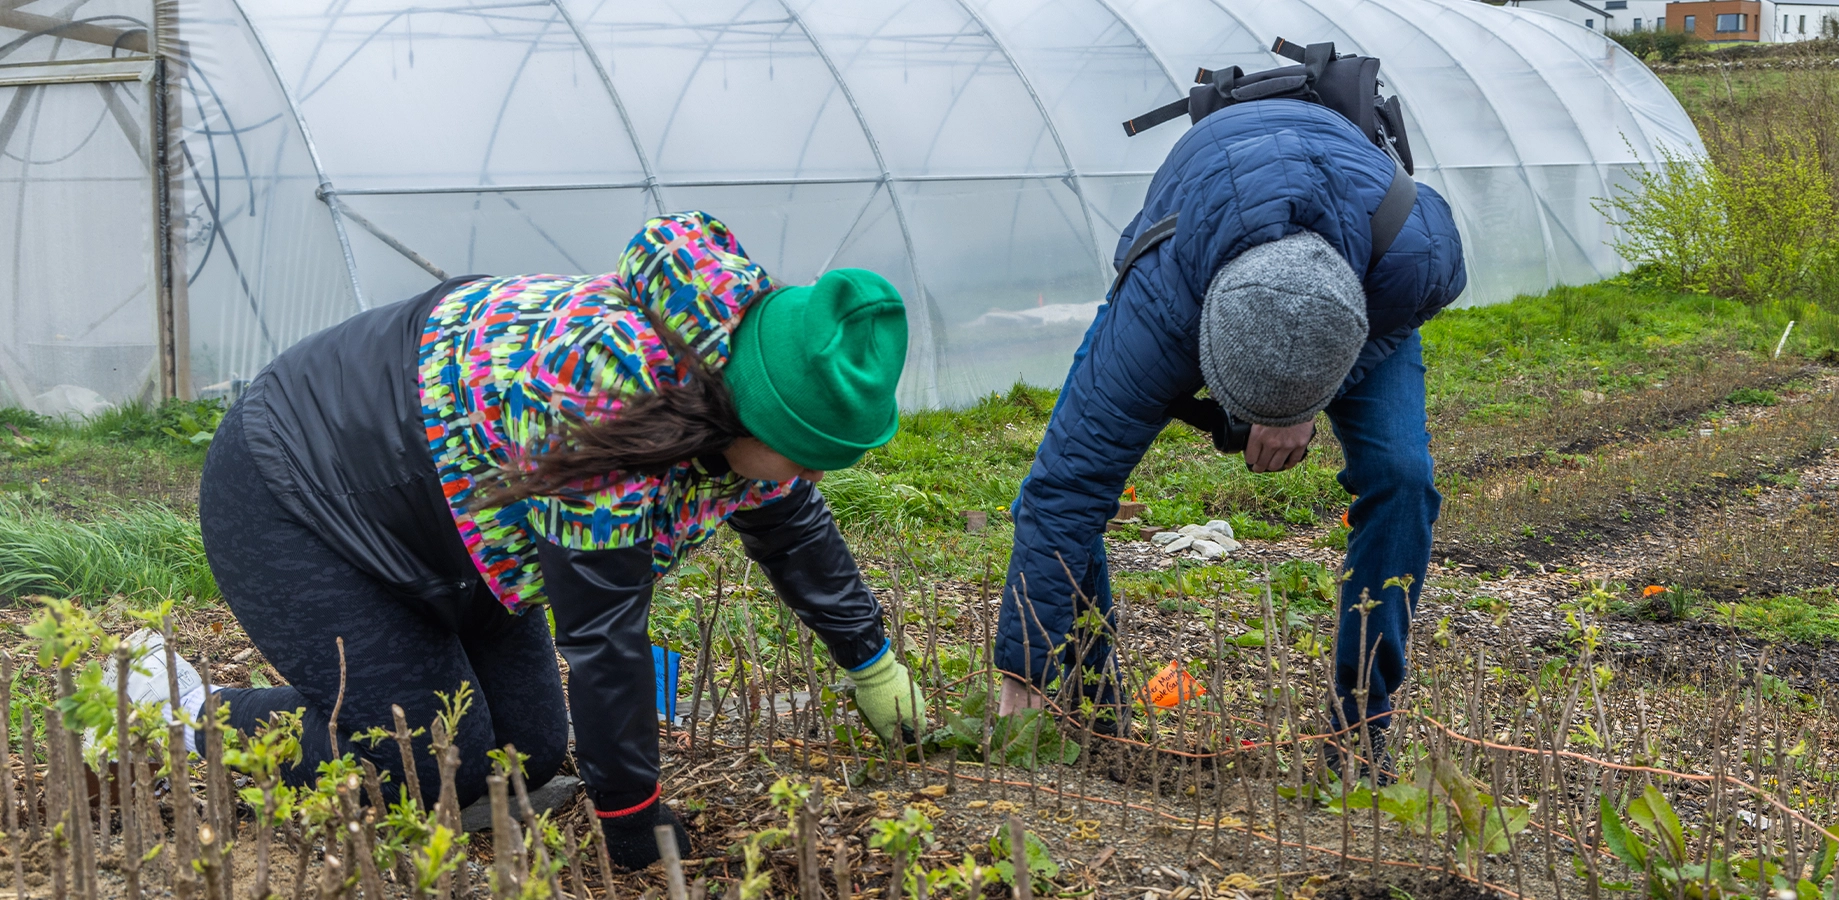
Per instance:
x=1246, y=175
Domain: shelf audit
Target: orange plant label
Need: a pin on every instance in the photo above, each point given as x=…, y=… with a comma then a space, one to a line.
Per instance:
x=1171, y=686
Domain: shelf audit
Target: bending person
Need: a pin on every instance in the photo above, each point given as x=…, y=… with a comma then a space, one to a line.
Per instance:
x=426, y=479
x=1268, y=297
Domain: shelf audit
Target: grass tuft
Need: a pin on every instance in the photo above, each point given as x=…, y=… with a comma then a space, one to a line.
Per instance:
x=145, y=551
x=864, y=501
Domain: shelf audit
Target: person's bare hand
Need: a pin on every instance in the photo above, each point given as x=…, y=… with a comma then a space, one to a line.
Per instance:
x=1277, y=449
x=1017, y=696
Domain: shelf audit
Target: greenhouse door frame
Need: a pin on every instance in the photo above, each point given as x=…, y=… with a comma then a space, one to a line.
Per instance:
x=157, y=142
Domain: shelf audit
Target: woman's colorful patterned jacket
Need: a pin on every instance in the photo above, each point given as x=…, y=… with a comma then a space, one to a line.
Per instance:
x=479, y=372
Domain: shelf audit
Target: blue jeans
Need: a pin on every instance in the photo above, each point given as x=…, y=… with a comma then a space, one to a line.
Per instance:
x=1382, y=426
x=1383, y=431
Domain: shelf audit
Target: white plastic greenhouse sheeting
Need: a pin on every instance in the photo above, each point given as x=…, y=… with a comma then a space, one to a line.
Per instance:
x=970, y=150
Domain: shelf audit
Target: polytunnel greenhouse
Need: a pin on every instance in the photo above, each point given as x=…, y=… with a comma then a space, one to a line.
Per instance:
x=191, y=186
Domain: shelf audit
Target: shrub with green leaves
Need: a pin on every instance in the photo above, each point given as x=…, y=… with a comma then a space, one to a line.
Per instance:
x=1671, y=219
x=1757, y=224
x=1665, y=46
x=904, y=839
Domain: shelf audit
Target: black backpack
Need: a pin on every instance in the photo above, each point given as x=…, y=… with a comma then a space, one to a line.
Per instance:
x=1348, y=85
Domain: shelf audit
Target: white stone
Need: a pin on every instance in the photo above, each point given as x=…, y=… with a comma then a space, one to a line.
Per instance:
x=1164, y=537
x=1221, y=526
x=1208, y=549
x=1179, y=544
x=1189, y=529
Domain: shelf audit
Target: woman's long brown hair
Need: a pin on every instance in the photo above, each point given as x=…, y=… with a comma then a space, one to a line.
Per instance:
x=650, y=434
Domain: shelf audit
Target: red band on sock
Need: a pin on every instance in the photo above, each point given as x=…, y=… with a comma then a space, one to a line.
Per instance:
x=655, y=792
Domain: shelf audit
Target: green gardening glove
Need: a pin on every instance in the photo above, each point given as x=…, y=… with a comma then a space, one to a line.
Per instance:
x=886, y=697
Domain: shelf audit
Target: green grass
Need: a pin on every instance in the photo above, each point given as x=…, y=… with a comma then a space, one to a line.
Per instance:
x=1505, y=362
x=105, y=506
x=1752, y=397
x=145, y=551
x=1811, y=617
x=86, y=467
x=1504, y=366
x=944, y=462
x=1487, y=366
x=1702, y=93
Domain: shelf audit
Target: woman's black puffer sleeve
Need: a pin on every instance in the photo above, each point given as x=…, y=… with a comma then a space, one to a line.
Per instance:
x=796, y=542
x=601, y=600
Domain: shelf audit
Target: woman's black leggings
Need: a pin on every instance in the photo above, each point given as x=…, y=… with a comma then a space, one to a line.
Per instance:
x=295, y=597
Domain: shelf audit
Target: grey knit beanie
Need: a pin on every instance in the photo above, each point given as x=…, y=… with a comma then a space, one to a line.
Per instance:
x=1280, y=329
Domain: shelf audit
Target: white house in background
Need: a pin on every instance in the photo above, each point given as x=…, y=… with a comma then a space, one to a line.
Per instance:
x=1799, y=21
x=1606, y=15
x=1780, y=22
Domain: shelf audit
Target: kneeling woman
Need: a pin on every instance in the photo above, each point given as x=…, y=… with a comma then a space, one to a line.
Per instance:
x=424, y=479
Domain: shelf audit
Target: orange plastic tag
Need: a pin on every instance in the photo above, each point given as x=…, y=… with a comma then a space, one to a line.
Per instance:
x=1171, y=686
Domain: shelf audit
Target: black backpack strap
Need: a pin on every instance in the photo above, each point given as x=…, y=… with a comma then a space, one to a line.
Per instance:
x=1389, y=218
x=1288, y=50
x=1156, y=117
x=1316, y=58
x=1145, y=241
x=1388, y=221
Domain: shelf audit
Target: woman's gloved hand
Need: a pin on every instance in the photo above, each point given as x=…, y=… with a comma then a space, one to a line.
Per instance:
x=887, y=697
x=631, y=843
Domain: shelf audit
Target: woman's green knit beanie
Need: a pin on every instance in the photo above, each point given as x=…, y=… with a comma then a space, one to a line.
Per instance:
x=813, y=368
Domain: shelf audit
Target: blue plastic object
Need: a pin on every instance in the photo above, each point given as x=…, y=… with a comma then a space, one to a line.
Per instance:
x=666, y=664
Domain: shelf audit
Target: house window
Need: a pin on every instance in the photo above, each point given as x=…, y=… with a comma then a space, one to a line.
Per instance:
x=1692, y=24
x=1616, y=4
x=1784, y=24
x=1660, y=23
x=1637, y=24
x=1590, y=24
x=1803, y=23
x=1730, y=23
